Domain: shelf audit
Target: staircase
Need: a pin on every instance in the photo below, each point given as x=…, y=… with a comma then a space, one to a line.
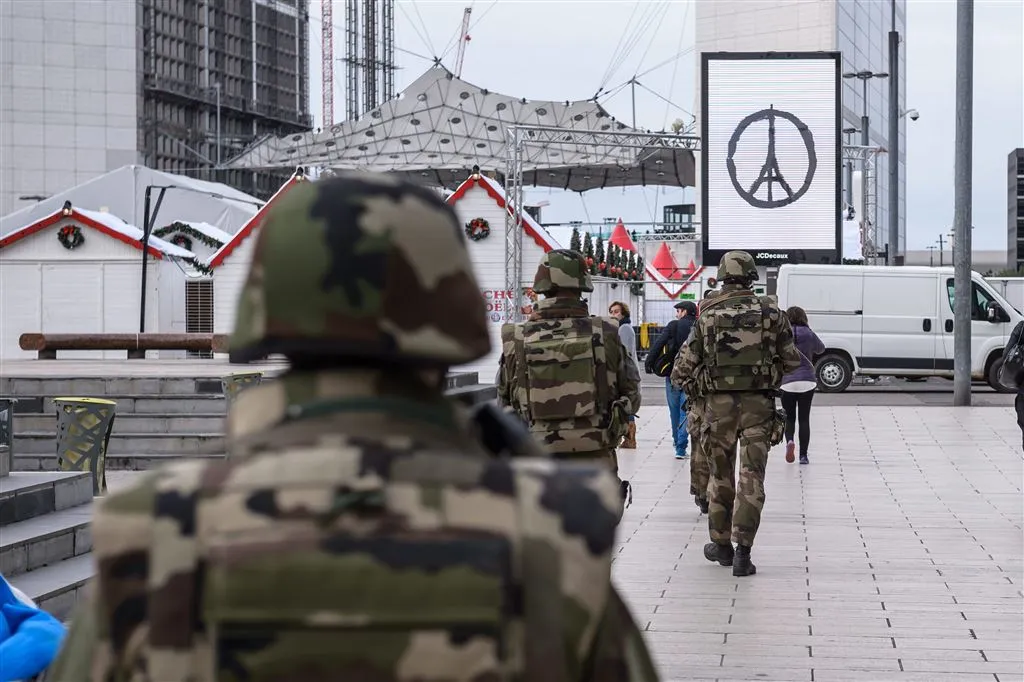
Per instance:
x=45, y=538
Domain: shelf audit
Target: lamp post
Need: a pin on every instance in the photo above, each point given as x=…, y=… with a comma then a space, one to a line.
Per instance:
x=894, y=140
x=864, y=76
x=149, y=220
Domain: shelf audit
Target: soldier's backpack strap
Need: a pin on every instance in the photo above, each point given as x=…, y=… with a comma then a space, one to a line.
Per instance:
x=605, y=376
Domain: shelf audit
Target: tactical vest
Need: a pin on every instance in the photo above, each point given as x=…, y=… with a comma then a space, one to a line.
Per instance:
x=738, y=345
x=415, y=569
x=566, y=383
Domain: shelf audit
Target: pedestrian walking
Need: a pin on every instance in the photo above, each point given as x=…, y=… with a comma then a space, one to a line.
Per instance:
x=620, y=311
x=738, y=352
x=365, y=526
x=700, y=466
x=659, y=361
x=798, y=386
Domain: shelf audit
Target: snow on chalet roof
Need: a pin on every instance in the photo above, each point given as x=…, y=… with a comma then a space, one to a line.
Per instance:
x=254, y=222
x=441, y=126
x=211, y=231
x=539, y=234
x=106, y=223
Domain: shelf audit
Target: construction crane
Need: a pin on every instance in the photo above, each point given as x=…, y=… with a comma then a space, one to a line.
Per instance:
x=463, y=39
x=327, y=64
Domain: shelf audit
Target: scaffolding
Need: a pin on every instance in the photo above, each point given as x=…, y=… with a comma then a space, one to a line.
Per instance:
x=217, y=74
x=371, y=70
x=606, y=143
x=867, y=156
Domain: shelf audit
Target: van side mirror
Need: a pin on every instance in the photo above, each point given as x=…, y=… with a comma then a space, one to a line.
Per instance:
x=996, y=314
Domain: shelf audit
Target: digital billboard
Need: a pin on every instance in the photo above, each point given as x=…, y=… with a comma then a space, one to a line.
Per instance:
x=770, y=156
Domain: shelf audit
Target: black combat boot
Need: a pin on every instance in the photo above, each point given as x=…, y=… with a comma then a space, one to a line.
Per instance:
x=721, y=553
x=741, y=564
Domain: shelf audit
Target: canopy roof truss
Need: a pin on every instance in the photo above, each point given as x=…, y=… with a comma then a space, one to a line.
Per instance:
x=441, y=126
x=520, y=138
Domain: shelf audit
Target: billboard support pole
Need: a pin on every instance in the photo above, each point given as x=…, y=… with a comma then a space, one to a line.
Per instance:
x=962, y=176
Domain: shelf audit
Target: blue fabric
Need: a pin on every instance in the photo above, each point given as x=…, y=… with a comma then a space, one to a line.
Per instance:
x=677, y=413
x=29, y=637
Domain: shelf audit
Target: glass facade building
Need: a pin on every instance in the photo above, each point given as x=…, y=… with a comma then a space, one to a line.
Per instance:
x=862, y=35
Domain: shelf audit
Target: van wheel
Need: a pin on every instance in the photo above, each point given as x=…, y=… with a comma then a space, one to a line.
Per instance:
x=993, y=377
x=834, y=373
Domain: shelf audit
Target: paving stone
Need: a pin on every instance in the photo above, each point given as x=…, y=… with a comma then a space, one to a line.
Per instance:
x=888, y=547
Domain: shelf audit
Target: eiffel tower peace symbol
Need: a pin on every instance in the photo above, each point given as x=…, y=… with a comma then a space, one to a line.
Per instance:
x=770, y=173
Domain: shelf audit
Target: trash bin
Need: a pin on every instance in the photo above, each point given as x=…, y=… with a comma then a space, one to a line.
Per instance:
x=6, y=435
x=233, y=384
x=83, y=431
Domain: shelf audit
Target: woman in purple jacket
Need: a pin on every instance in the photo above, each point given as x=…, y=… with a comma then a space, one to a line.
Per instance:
x=798, y=386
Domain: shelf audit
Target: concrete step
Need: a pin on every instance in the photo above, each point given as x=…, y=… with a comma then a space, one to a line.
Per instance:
x=24, y=463
x=135, y=422
x=57, y=588
x=26, y=495
x=125, y=443
x=45, y=540
x=97, y=387
x=141, y=403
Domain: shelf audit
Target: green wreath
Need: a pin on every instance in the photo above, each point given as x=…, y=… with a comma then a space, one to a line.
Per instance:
x=70, y=237
x=183, y=241
x=477, y=229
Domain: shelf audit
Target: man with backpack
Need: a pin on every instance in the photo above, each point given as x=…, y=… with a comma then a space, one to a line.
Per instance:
x=659, y=362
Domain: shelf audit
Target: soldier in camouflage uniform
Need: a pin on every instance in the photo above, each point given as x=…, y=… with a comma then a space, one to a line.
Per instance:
x=360, y=528
x=565, y=372
x=739, y=350
x=700, y=466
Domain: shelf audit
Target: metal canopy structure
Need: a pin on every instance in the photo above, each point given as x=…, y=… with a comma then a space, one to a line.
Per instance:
x=441, y=126
x=649, y=149
x=867, y=157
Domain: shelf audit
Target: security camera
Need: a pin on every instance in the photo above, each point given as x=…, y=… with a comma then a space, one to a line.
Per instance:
x=913, y=114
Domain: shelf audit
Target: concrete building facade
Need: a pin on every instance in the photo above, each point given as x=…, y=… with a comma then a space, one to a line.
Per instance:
x=1015, y=210
x=858, y=29
x=88, y=87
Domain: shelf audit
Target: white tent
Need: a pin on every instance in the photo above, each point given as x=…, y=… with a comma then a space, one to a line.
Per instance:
x=442, y=126
x=122, y=193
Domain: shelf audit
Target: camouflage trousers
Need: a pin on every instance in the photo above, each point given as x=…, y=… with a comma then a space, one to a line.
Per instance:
x=700, y=466
x=746, y=419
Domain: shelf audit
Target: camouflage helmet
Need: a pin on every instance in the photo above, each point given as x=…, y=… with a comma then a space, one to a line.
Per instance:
x=737, y=265
x=362, y=266
x=562, y=269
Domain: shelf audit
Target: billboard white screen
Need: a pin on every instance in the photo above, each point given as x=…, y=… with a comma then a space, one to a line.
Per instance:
x=770, y=154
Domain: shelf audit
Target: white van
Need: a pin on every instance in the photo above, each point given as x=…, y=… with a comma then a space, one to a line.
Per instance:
x=895, y=321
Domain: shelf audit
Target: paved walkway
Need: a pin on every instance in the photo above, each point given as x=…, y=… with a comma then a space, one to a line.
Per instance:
x=895, y=555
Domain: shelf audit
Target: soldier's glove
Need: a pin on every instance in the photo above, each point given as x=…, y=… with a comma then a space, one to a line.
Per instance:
x=502, y=432
x=626, y=490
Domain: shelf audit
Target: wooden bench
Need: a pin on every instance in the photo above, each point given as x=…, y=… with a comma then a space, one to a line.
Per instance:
x=136, y=345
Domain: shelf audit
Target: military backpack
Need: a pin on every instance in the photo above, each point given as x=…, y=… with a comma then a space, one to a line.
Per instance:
x=566, y=378
x=739, y=344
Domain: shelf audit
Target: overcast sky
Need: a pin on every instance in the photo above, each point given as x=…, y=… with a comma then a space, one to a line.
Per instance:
x=568, y=50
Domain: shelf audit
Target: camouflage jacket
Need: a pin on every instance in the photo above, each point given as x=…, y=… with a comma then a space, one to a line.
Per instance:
x=691, y=369
x=570, y=410
x=356, y=531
